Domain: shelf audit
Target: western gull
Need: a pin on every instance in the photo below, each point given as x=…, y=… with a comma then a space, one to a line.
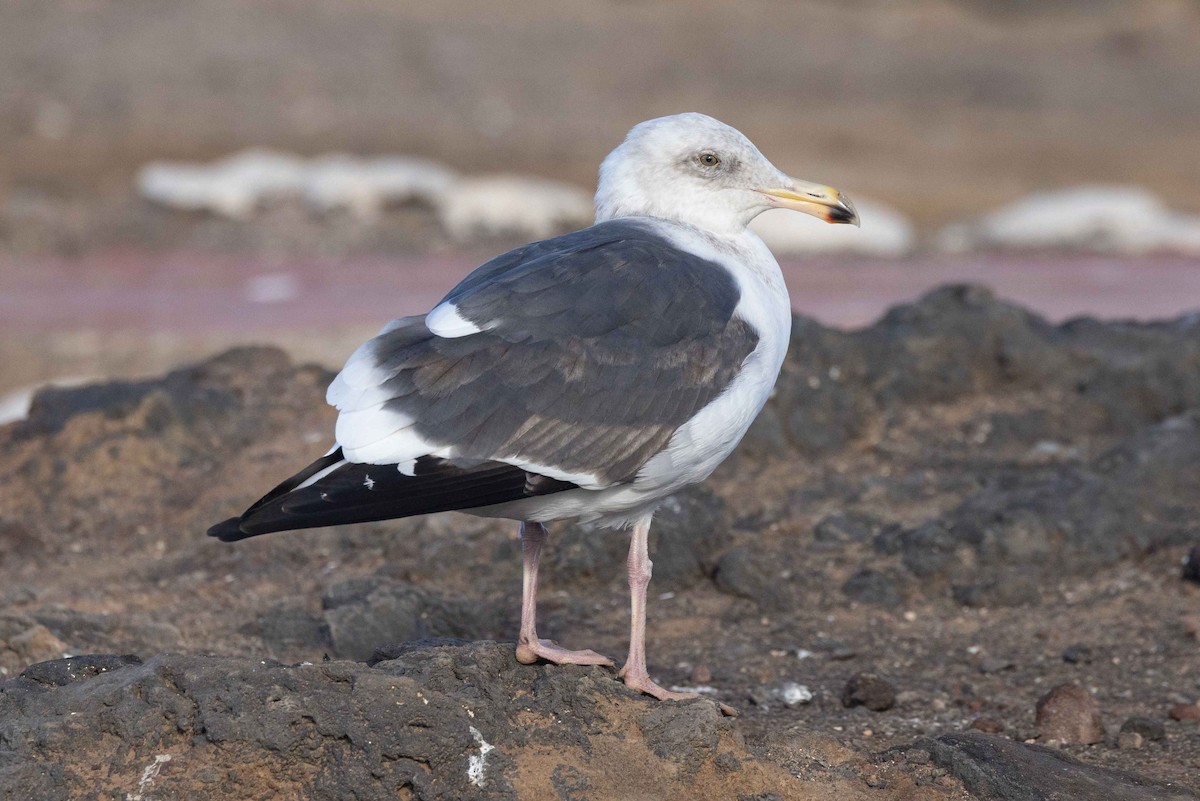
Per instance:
x=587, y=377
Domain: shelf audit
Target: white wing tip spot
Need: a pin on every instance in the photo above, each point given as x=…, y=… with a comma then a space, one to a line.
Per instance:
x=369, y=483
x=446, y=322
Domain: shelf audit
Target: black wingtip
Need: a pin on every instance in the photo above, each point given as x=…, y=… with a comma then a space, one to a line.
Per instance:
x=229, y=530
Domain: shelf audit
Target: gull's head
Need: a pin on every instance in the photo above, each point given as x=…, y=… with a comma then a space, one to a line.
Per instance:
x=693, y=169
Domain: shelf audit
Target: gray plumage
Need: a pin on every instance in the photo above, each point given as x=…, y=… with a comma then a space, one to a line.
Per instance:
x=620, y=339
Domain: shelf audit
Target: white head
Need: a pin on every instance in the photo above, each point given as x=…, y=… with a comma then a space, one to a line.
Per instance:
x=693, y=169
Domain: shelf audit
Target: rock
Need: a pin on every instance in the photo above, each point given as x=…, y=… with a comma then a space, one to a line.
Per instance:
x=1185, y=712
x=687, y=736
x=37, y=644
x=438, y=722
x=1130, y=740
x=1078, y=654
x=87, y=630
x=1069, y=714
x=929, y=550
x=822, y=399
x=368, y=612
x=835, y=649
x=869, y=690
x=841, y=529
x=689, y=528
x=169, y=438
x=1151, y=729
x=1191, y=565
x=873, y=587
x=61, y=672
x=748, y=573
x=987, y=725
x=286, y=627
x=996, y=769
x=1005, y=586
x=727, y=762
x=788, y=694
x=995, y=664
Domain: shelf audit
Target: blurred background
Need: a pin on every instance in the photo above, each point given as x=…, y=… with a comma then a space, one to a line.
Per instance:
x=178, y=177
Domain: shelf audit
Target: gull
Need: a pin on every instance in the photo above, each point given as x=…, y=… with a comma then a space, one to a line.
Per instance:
x=584, y=377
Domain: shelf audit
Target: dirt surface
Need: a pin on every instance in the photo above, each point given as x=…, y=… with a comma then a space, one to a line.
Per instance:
x=938, y=520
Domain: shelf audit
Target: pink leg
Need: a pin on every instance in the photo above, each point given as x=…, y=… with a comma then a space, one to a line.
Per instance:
x=640, y=570
x=529, y=648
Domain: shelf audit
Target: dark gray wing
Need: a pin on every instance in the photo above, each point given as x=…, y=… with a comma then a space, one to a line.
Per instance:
x=593, y=349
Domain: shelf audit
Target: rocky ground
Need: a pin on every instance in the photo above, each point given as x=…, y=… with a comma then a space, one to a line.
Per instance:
x=949, y=562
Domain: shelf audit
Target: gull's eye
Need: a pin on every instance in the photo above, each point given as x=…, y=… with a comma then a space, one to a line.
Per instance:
x=708, y=159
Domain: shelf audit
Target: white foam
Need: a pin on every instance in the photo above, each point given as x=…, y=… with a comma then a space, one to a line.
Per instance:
x=1107, y=219
x=515, y=205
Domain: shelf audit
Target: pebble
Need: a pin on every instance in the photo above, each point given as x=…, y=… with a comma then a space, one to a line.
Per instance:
x=1191, y=565
x=869, y=690
x=1149, y=728
x=1189, y=712
x=727, y=762
x=1068, y=713
x=789, y=694
x=1130, y=740
x=793, y=694
x=995, y=664
x=1078, y=654
x=838, y=529
x=987, y=725
x=917, y=756
x=835, y=649
x=872, y=587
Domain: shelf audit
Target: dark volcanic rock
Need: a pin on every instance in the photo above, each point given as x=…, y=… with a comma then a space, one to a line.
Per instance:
x=1150, y=728
x=1191, y=565
x=867, y=689
x=165, y=438
x=440, y=722
x=873, y=587
x=1023, y=524
x=1078, y=654
x=841, y=529
x=60, y=672
x=365, y=613
x=689, y=528
x=996, y=769
x=284, y=627
x=748, y=573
